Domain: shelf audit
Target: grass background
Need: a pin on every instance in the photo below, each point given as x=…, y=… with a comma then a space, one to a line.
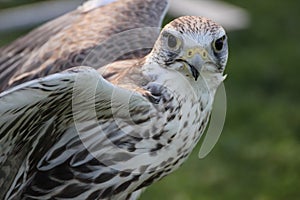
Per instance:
x=258, y=154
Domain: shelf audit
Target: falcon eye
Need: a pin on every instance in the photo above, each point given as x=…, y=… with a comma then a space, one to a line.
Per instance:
x=172, y=41
x=219, y=44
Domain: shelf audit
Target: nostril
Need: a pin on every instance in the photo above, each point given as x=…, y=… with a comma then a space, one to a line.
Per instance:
x=190, y=53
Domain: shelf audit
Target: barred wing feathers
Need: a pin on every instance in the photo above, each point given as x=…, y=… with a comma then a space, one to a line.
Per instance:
x=46, y=128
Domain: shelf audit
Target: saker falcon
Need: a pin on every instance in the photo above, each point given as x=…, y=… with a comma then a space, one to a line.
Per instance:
x=82, y=135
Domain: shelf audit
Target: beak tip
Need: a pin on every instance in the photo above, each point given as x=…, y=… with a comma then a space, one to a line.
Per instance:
x=195, y=72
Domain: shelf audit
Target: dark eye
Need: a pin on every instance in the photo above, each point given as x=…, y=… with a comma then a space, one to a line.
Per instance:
x=219, y=44
x=172, y=41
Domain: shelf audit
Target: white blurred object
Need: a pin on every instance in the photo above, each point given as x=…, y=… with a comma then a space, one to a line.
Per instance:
x=229, y=16
x=91, y=4
x=33, y=14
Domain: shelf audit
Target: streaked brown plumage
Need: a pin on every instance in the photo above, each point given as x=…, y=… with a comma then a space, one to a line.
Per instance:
x=65, y=42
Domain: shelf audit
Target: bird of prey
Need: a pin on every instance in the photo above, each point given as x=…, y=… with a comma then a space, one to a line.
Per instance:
x=108, y=134
x=65, y=42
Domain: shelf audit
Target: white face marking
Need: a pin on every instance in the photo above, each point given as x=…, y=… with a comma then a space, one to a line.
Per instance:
x=197, y=36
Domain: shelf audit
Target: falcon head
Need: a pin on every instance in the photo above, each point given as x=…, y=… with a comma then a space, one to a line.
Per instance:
x=192, y=45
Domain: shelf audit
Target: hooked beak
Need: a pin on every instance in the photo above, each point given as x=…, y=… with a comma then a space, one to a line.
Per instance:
x=195, y=58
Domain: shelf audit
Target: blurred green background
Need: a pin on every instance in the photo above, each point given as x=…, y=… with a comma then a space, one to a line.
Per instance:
x=258, y=154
